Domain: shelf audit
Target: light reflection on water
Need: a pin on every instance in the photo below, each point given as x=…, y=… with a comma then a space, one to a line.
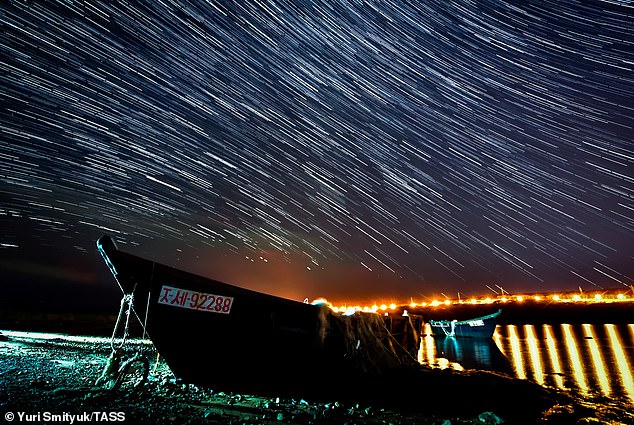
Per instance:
x=592, y=360
x=574, y=360
x=553, y=354
x=598, y=362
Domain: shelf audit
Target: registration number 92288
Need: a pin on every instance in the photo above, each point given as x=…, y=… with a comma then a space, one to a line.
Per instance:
x=194, y=300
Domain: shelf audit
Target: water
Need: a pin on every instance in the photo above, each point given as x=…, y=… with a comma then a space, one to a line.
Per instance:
x=593, y=360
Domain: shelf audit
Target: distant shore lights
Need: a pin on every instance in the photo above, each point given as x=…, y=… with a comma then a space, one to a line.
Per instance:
x=590, y=298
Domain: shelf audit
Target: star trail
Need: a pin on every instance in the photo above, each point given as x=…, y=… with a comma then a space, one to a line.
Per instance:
x=352, y=150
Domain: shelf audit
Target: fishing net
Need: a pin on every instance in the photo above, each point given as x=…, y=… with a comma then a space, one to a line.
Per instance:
x=366, y=344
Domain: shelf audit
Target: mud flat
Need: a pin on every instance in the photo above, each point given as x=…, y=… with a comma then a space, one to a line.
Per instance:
x=42, y=375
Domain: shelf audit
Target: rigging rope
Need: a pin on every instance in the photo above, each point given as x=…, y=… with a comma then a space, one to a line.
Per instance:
x=127, y=299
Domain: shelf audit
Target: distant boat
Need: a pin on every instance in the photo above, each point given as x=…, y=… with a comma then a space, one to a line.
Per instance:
x=215, y=334
x=479, y=327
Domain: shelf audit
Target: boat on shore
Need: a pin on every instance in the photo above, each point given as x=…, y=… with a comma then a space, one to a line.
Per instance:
x=212, y=333
x=233, y=339
x=478, y=327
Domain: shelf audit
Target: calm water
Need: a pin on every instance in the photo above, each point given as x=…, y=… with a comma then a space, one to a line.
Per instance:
x=592, y=360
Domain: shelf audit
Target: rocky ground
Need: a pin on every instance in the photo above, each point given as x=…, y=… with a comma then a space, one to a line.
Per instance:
x=42, y=375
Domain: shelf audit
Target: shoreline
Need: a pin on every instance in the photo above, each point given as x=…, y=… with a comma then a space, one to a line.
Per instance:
x=51, y=373
x=56, y=376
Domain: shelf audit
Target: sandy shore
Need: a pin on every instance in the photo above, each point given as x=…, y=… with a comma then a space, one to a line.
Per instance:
x=47, y=374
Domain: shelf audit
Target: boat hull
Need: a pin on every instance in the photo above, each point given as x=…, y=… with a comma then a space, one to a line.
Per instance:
x=479, y=327
x=213, y=333
x=254, y=343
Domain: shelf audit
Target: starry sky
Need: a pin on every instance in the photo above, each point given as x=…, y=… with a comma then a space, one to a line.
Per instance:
x=359, y=151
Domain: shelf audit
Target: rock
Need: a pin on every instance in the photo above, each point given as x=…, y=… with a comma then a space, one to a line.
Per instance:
x=489, y=418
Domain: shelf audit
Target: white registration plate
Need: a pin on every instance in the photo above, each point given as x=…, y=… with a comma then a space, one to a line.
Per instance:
x=195, y=300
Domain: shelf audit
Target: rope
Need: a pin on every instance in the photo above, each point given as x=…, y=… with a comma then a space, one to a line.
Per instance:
x=147, y=305
x=127, y=299
x=117, y=368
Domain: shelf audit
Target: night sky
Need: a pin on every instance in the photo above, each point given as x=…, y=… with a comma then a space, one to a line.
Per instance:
x=360, y=151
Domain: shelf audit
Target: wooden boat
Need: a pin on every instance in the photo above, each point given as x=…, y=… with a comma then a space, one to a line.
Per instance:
x=229, y=338
x=214, y=334
x=479, y=327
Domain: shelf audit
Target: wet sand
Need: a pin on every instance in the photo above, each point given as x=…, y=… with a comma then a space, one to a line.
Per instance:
x=46, y=374
x=49, y=374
